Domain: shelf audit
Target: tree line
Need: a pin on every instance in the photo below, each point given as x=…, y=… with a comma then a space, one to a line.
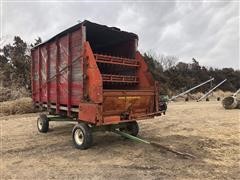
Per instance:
x=174, y=76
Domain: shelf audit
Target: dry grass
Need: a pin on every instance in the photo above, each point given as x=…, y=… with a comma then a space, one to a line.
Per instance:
x=197, y=95
x=220, y=93
x=7, y=94
x=204, y=129
x=216, y=94
x=19, y=106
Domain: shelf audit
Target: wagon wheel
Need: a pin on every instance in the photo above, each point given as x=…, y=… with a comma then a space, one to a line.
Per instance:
x=82, y=136
x=131, y=127
x=42, y=123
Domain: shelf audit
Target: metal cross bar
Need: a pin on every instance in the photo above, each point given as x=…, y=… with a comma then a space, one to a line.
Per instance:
x=205, y=95
x=185, y=92
x=238, y=91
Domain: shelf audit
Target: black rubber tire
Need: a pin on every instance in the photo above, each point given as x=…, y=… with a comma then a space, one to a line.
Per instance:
x=42, y=123
x=86, y=133
x=131, y=128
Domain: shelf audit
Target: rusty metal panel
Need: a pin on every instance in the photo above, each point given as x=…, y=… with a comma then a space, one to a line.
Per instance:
x=111, y=120
x=52, y=71
x=69, y=76
x=132, y=102
x=57, y=79
x=93, y=82
x=88, y=112
x=47, y=77
x=77, y=66
x=63, y=62
x=145, y=77
x=43, y=73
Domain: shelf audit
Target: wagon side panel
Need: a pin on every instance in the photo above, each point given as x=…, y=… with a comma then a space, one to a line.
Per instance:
x=57, y=72
x=66, y=70
x=43, y=57
x=76, y=50
x=52, y=72
x=63, y=63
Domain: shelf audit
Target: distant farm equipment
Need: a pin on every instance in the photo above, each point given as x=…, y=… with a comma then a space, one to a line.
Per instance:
x=187, y=92
x=211, y=90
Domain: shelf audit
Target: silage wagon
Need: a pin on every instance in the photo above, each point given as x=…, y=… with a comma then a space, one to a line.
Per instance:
x=94, y=75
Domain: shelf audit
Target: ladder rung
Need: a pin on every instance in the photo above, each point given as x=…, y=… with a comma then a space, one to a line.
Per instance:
x=119, y=78
x=116, y=60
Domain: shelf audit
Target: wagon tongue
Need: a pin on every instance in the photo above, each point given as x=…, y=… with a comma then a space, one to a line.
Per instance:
x=155, y=144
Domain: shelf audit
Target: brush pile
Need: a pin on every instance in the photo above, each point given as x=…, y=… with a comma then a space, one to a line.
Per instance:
x=7, y=94
x=19, y=106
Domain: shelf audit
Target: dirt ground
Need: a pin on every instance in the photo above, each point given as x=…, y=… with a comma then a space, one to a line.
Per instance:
x=203, y=129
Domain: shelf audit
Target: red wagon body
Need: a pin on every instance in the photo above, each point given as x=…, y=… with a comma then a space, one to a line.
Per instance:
x=95, y=74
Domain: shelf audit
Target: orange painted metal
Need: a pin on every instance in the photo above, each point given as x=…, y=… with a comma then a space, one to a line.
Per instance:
x=88, y=112
x=69, y=72
x=116, y=60
x=119, y=78
x=93, y=77
x=112, y=120
x=145, y=77
x=134, y=102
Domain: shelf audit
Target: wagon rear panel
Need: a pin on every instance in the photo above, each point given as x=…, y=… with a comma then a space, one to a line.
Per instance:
x=137, y=102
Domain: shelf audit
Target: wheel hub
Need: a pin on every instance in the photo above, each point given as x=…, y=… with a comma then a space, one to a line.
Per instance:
x=40, y=124
x=78, y=136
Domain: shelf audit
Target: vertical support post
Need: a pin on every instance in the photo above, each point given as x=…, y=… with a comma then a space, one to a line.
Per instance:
x=83, y=63
x=69, y=76
x=39, y=76
x=47, y=76
x=32, y=76
x=57, y=77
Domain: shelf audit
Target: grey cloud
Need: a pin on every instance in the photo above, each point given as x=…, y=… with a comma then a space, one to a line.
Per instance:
x=204, y=30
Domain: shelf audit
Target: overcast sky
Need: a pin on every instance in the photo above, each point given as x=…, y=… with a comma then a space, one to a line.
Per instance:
x=207, y=31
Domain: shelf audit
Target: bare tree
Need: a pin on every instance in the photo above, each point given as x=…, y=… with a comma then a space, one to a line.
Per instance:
x=167, y=61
